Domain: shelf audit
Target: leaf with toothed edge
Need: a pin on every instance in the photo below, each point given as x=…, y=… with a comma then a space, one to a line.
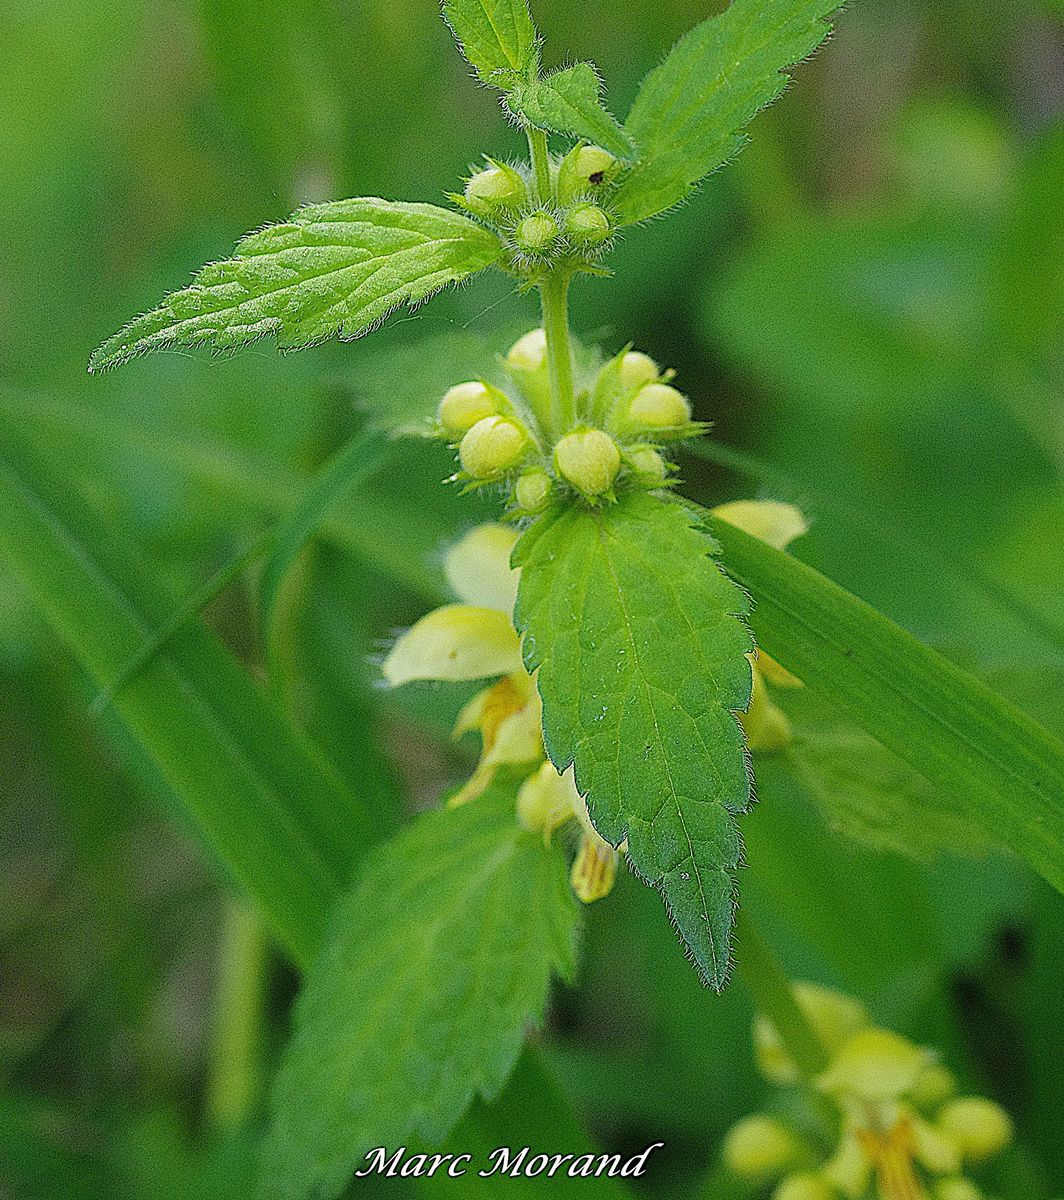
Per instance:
x=496, y=37
x=570, y=102
x=688, y=116
x=640, y=645
x=332, y=270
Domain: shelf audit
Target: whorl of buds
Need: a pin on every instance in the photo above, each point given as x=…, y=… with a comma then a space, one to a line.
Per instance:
x=493, y=445
x=496, y=188
x=465, y=404
x=760, y=1148
x=537, y=233
x=587, y=225
x=532, y=489
x=978, y=1127
x=584, y=169
x=589, y=460
x=659, y=406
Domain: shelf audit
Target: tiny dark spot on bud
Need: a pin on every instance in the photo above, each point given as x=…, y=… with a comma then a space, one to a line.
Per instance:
x=597, y=176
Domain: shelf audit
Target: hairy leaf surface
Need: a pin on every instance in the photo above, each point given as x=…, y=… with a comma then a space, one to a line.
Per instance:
x=436, y=963
x=497, y=37
x=570, y=102
x=333, y=270
x=639, y=644
x=688, y=116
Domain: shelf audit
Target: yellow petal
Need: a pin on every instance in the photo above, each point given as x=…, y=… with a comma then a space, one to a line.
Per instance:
x=594, y=869
x=848, y=1169
x=453, y=644
x=472, y=715
x=545, y=801
x=478, y=568
x=772, y=522
x=767, y=728
x=875, y=1066
x=937, y=1152
x=519, y=738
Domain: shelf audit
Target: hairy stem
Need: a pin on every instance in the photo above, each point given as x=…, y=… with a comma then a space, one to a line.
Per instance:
x=233, y=1087
x=537, y=147
x=767, y=983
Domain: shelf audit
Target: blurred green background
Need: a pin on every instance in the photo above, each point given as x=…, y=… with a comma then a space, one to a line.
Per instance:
x=870, y=302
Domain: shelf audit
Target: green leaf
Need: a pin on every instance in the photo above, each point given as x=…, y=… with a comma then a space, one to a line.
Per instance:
x=640, y=647
x=969, y=743
x=689, y=113
x=333, y=270
x=570, y=102
x=267, y=805
x=497, y=38
x=435, y=965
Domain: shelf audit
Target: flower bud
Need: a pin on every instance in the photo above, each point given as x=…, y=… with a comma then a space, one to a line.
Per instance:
x=532, y=490
x=594, y=869
x=588, y=459
x=545, y=801
x=528, y=353
x=659, y=406
x=760, y=1148
x=491, y=446
x=587, y=225
x=804, y=1187
x=584, y=169
x=647, y=465
x=537, y=233
x=874, y=1066
x=834, y=1018
x=497, y=187
x=956, y=1189
x=465, y=404
x=935, y=1086
x=980, y=1128
x=636, y=370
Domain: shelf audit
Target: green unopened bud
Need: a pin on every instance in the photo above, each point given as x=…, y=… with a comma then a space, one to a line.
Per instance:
x=659, y=406
x=537, y=233
x=804, y=1187
x=760, y=1149
x=532, y=490
x=528, y=353
x=589, y=460
x=492, y=446
x=584, y=169
x=587, y=225
x=496, y=188
x=979, y=1128
x=956, y=1189
x=465, y=404
x=647, y=465
x=636, y=370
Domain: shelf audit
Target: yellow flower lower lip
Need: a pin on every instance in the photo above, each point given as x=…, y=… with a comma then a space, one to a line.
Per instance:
x=454, y=644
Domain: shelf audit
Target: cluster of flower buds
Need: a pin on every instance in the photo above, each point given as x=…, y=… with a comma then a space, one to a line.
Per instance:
x=574, y=222
x=627, y=411
x=901, y=1131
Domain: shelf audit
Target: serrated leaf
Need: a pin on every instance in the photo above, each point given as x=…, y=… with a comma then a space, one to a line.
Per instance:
x=497, y=38
x=435, y=965
x=688, y=115
x=639, y=644
x=333, y=270
x=570, y=101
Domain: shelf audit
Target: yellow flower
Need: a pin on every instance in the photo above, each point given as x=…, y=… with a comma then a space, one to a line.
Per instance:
x=767, y=728
x=476, y=639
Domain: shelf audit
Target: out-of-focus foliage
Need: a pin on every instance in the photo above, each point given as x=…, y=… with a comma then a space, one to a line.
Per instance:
x=869, y=302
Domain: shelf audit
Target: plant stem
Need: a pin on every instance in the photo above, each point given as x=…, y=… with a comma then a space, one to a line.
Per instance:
x=767, y=983
x=554, y=293
x=537, y=147
x=233, y=1087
